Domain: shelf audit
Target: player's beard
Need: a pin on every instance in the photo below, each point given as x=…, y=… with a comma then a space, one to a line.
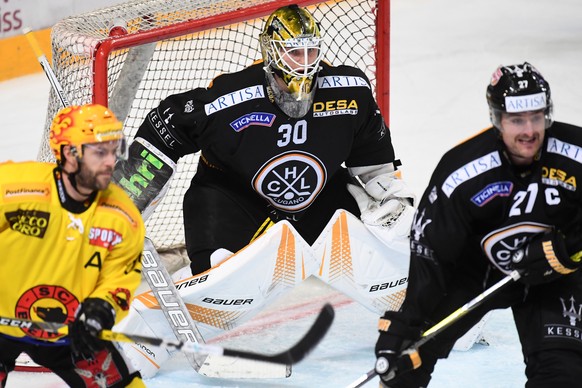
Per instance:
x=92, y=181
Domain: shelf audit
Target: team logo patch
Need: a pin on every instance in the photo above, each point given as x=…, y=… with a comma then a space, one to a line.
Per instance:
x=500, y=244
x=46, y=303
x=291, y=181
x=255, y=118
x=492, y=190
x=106, y=238
x=121, y=297
x=29, y=222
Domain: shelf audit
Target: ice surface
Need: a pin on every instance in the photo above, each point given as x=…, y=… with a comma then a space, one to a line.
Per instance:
x=442, y=55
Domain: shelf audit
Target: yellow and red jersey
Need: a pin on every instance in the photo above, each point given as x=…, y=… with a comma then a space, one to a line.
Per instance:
x=52, y=258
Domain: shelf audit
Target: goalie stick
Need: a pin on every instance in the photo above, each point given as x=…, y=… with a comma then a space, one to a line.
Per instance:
x=163, y=288
x=443, y=324
x=291, y=355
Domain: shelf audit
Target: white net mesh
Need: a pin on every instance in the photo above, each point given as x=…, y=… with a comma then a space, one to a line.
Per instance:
x=159, y=63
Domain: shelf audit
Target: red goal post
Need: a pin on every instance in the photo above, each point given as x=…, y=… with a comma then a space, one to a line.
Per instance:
x=169, y=46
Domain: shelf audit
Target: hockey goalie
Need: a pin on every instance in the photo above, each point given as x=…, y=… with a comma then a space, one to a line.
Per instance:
x=297, y=178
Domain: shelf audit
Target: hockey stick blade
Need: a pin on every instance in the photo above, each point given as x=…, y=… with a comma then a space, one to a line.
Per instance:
x=303, y=347
x=290, y=356
x=446, y=322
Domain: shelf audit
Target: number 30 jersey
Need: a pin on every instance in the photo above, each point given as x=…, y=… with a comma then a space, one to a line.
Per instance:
x=288, y=161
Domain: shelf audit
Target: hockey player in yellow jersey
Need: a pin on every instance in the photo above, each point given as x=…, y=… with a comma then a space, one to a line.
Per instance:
x=71, y=247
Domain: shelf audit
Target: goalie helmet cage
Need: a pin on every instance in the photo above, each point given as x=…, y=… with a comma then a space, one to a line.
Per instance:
x=169, y=46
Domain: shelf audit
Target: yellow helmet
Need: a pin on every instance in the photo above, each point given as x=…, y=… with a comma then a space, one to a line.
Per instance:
x=76, y=126
x=291, y=46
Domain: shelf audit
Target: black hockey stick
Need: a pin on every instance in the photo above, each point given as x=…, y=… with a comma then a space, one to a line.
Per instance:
x=443, y=324
x=292, y=355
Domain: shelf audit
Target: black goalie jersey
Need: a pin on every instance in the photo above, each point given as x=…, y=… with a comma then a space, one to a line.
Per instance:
x=287, y=161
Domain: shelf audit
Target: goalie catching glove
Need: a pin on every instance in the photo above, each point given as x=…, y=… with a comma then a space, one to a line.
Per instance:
x=545, y=258
x=93, y=316
x=393, y=355
x=385, y=201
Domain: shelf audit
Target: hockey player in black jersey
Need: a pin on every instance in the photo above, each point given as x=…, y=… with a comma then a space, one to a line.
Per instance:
x=273, y=140
x=503, y=200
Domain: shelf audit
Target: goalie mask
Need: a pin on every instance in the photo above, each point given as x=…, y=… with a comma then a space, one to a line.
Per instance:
x=80, y=126
x=518, y=88
x=291, y=46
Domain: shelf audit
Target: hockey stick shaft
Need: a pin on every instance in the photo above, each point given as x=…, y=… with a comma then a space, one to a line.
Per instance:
x=292, y=355
x=447, y=321
x=46, y=66
x=169, y=300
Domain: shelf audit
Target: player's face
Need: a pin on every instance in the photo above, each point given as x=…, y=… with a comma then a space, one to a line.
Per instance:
x=523, y=135
x=98, y=163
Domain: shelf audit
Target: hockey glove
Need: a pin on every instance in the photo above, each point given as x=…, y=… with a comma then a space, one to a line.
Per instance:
x=392, y=353
x=384, y=196
x=545, y=258
x=93, y=315
x=389, y=220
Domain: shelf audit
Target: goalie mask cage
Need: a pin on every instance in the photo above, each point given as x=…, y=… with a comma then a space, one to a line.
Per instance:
x=170, y=46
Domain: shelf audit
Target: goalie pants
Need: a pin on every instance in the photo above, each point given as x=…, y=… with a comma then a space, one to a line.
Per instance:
x=219, y=213
x=107, y=369
x=548, y=321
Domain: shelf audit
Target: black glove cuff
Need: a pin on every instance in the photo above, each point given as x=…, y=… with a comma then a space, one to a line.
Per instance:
x=391, y=322
x=99, y=310
x=552, y=245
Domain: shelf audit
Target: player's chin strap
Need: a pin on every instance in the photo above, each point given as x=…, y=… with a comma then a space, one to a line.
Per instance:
x=412, y=351
x=291, y=355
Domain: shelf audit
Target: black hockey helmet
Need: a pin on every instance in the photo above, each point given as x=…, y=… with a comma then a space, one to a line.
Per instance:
x=518, y=88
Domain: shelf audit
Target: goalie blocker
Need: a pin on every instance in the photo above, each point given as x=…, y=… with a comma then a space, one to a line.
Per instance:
x=145, y=175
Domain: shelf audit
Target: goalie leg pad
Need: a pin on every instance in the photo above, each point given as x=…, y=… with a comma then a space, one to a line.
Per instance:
x=473, y=336
x=356, y=262
x=238, y=288
x=147, y=359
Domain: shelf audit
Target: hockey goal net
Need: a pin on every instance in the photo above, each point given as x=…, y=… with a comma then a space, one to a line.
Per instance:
x=169, y=46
